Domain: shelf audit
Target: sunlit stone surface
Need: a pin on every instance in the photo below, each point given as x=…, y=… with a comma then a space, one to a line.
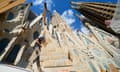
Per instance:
x=28, y=41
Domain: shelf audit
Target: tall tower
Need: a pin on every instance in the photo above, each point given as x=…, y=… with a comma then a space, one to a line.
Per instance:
x=98, y=13
x=57, y=21
x=59, y=24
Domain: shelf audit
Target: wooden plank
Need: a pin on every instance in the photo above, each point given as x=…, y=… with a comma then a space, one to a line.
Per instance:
x=3, y=3
x=11, y=5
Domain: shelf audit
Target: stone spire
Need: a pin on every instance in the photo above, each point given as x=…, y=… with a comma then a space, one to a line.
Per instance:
x=98, y=13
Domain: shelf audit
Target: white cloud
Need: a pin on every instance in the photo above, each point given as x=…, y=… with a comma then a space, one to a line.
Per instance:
x=68, y=16
x=85, y=30
x=40, y=3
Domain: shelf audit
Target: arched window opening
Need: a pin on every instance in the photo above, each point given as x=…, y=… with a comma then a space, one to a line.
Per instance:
x=13, y=54
x=35, y=35
x=3, y=44
x=6, y=30
x=10, y=16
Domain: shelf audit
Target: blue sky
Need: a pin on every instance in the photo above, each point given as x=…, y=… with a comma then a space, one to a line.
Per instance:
x=64, y=9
